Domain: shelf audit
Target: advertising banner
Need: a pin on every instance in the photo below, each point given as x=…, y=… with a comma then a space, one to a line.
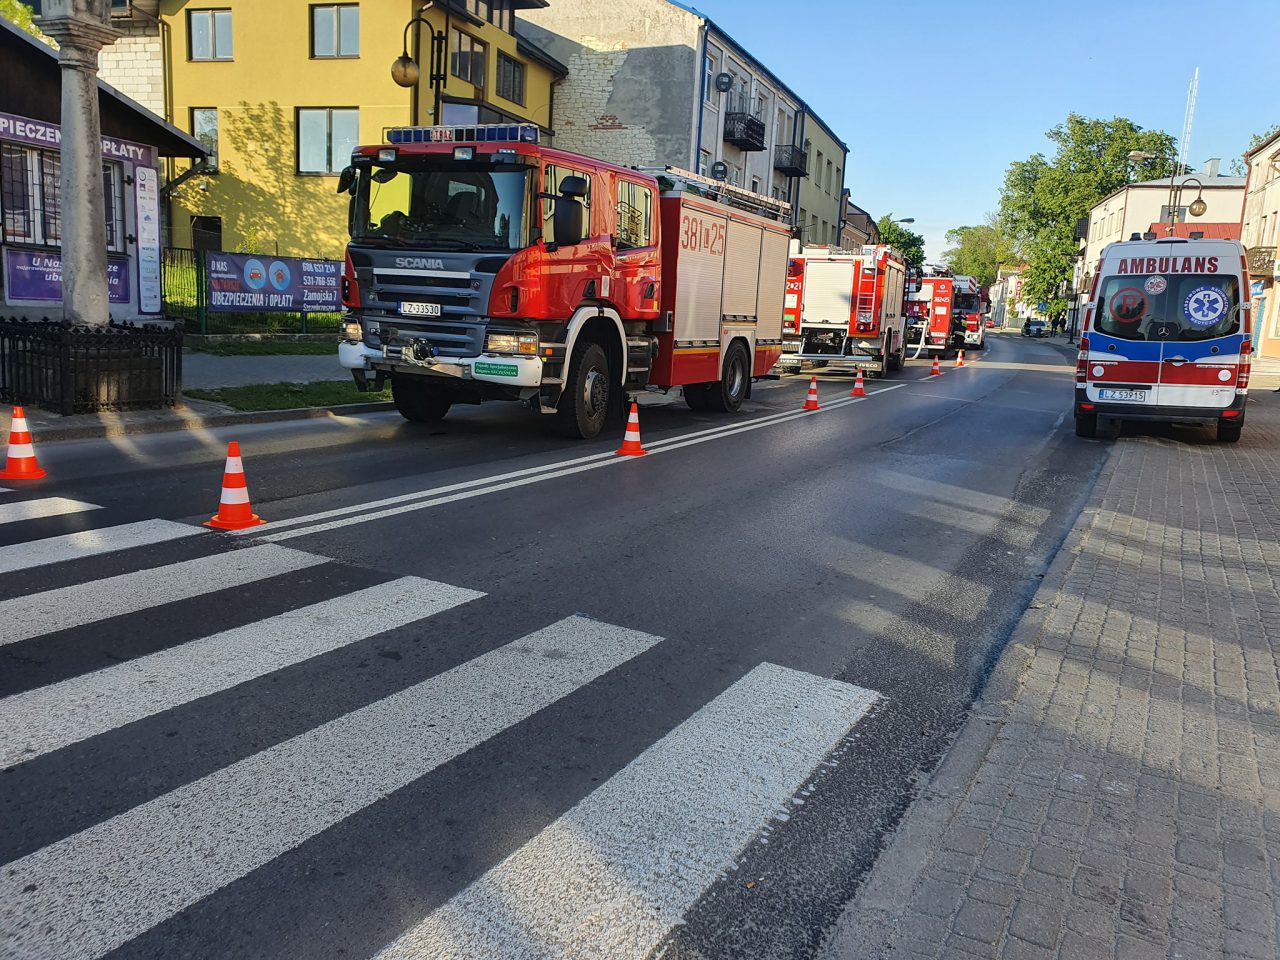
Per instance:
x=37, y=275
x=146, y=190
x=39, y=133
x=243, y=282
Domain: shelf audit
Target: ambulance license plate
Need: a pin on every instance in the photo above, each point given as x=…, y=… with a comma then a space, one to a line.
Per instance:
x=1130, y=396
x=413, y=309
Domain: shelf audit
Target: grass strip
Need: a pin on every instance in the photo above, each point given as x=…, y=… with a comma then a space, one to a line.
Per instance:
x=288, y=396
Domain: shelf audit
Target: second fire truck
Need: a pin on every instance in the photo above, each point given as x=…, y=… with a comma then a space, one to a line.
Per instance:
x=844, y=309
x=945, y=313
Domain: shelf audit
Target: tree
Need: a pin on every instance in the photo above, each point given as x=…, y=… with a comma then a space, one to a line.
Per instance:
x=906, y=242
x=1043, y=197
x=979, y=251
x=19, y=14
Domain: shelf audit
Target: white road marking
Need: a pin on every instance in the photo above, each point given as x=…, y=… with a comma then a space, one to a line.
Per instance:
x=44, y=507
x=614, y=875
x=549, y=473
x=39, y=721
x=559, y=465
x=88, y=893
x=89, y=543
x=73, y=606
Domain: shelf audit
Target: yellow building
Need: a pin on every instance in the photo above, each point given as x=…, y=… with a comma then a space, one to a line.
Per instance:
x=283, y=90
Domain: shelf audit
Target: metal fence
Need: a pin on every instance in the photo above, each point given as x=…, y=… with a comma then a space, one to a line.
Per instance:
x=70, y=369
x=186, y=293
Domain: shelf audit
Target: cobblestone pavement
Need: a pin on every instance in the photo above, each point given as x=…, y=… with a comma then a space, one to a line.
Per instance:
x=1117, y=792
x=205, y=370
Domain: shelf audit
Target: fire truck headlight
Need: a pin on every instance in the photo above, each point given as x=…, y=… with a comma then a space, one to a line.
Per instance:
x=351, y=331
x=526, y=343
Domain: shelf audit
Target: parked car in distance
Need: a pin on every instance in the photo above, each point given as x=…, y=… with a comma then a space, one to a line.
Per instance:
x=991, y=323
x=1033, y=327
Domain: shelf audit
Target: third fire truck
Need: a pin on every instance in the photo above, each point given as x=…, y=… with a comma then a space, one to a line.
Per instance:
x=946, y=313
x=844, y=309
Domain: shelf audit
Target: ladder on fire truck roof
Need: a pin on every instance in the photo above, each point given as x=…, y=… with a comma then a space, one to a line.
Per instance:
x=736, y=196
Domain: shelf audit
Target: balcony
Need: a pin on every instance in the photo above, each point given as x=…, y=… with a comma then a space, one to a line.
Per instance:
x=744, y=129
x=792, y=161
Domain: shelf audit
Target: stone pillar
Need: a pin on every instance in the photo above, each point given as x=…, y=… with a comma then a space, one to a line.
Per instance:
x=82, y=28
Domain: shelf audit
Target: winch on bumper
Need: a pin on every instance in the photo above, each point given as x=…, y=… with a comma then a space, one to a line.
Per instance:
x=417, y=357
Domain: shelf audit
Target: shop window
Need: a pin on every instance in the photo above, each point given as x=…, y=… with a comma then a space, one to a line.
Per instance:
x=30, y=195
x=466, y=58
x=635, y=215
x=326, y=137
x=335, y=30
x=510, y=79
x=209, y=34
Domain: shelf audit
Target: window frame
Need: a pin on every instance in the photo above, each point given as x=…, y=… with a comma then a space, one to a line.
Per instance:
x=484, y=60
x=211, y=163
x=41, y=207
x=337, y=30
x=632, y=189
x=709, y=79
x=518, y=69
x=546, y=206
x=211, y=12
x=297, y=140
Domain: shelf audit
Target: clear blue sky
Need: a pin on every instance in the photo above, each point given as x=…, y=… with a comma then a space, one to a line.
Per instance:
x=935, y=99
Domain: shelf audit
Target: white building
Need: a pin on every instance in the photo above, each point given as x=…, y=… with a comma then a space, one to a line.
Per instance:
x=1260, y=233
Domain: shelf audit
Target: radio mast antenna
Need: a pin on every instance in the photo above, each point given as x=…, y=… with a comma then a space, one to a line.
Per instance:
x=1184, y=146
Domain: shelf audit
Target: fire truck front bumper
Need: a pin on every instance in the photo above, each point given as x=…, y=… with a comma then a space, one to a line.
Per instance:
x=501, y=369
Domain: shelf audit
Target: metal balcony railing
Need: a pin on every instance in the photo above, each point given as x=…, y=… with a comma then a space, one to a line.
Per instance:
x=791, y=160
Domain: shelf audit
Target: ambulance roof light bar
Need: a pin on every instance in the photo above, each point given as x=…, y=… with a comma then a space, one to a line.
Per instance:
x=475, y=133
x=767, y=205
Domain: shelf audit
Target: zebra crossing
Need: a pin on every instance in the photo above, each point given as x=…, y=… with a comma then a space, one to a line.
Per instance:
x=610, y=876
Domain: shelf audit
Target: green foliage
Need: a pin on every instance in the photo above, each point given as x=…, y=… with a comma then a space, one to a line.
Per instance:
x=1237, y=165
x=979, y=251
x=1043, y=197
x=289, y=396
x=906, y=242
x=19, y=14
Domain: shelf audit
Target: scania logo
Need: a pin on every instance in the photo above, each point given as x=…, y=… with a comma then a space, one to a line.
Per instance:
x=420, y=263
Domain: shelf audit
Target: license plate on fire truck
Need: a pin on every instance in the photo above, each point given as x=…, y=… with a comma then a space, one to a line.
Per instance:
x=414, y=309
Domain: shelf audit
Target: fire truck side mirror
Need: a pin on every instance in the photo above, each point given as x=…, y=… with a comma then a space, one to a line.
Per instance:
x=347, y=180
x=566, y=221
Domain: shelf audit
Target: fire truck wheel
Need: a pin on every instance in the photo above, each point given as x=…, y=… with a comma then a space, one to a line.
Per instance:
x=695, y=395
x=894, y=360
x=418, y=400
x=584, y=405
x=727, y=395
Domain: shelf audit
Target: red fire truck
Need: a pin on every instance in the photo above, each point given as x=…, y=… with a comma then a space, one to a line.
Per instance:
x=938, y=312
x=485, y=266
x=844, y=309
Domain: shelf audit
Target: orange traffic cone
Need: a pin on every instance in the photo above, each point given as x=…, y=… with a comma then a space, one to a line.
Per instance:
x=811, y=401
x=960, y=359
x=859, y=389
x=937, y=368
x=234, y=512
x=631, y=441
x=21, y=462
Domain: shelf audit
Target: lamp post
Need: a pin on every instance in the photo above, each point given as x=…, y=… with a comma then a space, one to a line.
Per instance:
x=1138, y=156
x=406, y=72
x=82, y=28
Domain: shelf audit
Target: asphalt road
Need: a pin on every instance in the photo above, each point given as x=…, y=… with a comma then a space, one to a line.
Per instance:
x=475, y=691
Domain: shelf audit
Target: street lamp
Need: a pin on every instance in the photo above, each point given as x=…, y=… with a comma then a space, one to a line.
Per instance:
x=1196, y=208
x=1138, y=156
x=406, y=72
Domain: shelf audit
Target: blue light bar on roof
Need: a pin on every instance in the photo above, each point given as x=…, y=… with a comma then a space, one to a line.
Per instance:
x=480, y=133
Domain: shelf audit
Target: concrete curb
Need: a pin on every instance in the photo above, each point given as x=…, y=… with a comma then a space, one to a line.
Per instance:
x=52, y=433
x=867, y=926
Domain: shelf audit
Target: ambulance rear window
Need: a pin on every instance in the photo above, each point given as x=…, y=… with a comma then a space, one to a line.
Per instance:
x=1168, y=306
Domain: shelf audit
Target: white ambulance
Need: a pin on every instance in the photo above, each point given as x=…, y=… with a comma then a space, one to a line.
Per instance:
x=1166, y=336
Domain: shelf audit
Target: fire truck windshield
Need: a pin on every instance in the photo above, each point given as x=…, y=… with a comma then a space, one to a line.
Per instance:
x=443, y=203
x=968, y=303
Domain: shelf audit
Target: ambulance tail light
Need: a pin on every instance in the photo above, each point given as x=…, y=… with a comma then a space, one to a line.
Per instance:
x=1082, y=362
x=350, y=287
x=1242, y=379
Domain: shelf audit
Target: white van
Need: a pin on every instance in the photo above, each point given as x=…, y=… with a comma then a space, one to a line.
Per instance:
x=1166, y=336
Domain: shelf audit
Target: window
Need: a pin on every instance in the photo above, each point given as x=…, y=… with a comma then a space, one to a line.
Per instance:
x=501, y=15
x=755, y=184
x=709, y=78
x=510, y=79
x=1164, y=214
x=635, y=215
x=209, y=34
x=838, y=182
x=481, y=8
x=326, y=137
x=817, y=170
x=704, y=163
x=466, y=59
x=206, y=233
x=204, y=127
x=782, y=132
x=30, y=195
x=551, y=177
x=335, y=30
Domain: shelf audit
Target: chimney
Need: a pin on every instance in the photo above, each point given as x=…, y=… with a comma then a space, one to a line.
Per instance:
x=1211, y=167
